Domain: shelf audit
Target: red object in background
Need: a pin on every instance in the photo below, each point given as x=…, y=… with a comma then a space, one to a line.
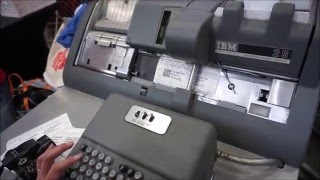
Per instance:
x=2, y=75
x=67, y=7
x=60, y=60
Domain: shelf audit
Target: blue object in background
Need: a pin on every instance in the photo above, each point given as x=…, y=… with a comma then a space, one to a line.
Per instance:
x=66, y=36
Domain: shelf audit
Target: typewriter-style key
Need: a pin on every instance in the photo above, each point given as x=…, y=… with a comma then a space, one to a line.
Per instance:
x=105, y=170
x=89, y=172
x=73, y=175
x=94, y=153
x=88, y=149
x=76, y=165
x=83, y=168
x=80, y=177
x=101, y=156
x=130, y=172
x=83, y=147
x=138, y=175
x=85, y=159
x=123, y=168
x=95, y=176
x=103, y=178
x=120, y=177
x=69, y=171
x=112, y=174
x=92, y=162
x=108, y=160
x=98, y=166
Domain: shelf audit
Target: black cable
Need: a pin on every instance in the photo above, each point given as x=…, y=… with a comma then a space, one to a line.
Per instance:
x=251, y=162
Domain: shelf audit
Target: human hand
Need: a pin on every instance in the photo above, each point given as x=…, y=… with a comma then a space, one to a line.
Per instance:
x=47, y=169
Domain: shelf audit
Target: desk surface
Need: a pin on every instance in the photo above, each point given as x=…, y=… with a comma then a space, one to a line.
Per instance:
x=82, y=107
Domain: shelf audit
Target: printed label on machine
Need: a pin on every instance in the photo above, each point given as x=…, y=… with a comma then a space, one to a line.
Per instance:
x=173, y=73
x=277, y=55
x=207, y=81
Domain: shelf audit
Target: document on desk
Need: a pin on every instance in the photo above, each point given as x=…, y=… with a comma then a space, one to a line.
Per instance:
x=173, y=73
x=68, y=135
x=49, y=128
x=59, y=129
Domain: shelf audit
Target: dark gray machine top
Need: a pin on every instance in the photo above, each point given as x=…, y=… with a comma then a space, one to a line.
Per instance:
x=288, y=142
x=185, y=151
x=279, y=37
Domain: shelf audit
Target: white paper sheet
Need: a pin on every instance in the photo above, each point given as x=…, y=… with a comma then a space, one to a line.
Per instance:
x=48, y=128
x=67, y=135
x=59, y=129
x=207, y=81
x=173, y=73
x=120, y=11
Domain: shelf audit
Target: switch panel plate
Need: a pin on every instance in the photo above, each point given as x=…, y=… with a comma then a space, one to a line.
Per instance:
x=148, y=119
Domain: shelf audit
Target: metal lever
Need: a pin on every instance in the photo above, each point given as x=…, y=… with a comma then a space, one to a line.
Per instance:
x=231, y=86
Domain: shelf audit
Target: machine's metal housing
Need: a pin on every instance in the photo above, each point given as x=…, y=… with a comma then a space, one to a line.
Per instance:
x=240, y=123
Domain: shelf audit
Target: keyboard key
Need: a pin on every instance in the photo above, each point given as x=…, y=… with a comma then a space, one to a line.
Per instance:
x=95, y=176
x=88, y=149
x=92, y=162
x=83, y=147
x=76, y=165
x=69, y=171
x=105, y=170
x=120, y=177
x=83, y=168
x=73, y=175
x=80, y=177
x=108, y=160
x=112, y=174
x=138, y=175
x=89, y=172
x=101, y=156
x=94, y=153
x=130, y=172
x=85, y=159
x=98, y=166
x=123, y=168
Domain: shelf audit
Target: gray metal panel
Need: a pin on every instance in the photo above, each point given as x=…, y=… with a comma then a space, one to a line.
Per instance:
x=146, y=66
x=146, y=21
x=188, y=36
x=185, y=151
x=143, y=29
x=287, y=142
x=70, y=101
x=206, y=5
x=279, y=32
x=181, y=100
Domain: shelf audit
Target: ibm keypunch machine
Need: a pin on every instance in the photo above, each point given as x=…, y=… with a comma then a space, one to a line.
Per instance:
x=185, y=80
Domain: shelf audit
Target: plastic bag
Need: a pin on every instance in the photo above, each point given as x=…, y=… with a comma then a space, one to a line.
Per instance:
x=55, y=63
